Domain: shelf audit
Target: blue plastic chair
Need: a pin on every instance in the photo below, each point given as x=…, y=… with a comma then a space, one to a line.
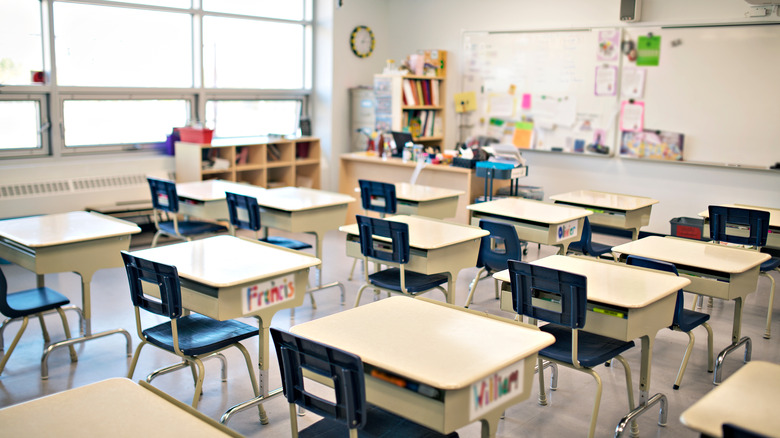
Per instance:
x=734, y=431
x=192, y=337
x=744, y=226
x=165, y=199
x=495, y=250
x=31, y=302
x=535, y=292
x=586, y=245
x=684, y=320
x=245, y=214
x=350, y=411
x=379, y=197
x=392, y=249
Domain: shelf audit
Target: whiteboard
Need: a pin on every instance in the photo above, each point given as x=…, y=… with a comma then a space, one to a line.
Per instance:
x=719, y=86
x=545, y=77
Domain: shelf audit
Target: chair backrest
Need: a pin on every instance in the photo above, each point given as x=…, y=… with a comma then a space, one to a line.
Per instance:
x=244, y=211
x=548, y=286
x=164, y=195
x=296, y=353
x=165, y=277
x=739, y=225
x=500, y=246
x=396, y=251
x=586, y=235
x=5, y=309
x=377, y=196
x=659, y=265
x=734, y=431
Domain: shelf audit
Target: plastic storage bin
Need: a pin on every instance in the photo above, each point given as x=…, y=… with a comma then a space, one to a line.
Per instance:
x=196, y=135
x=687, y=227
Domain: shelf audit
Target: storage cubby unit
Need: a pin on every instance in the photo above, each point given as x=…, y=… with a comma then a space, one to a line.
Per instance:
x=261, y=161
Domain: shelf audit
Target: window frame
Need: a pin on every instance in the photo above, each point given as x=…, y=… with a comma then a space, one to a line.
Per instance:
x=51, y=97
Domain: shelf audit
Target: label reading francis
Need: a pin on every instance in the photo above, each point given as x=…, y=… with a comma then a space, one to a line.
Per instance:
x=495, y=389
x=268, y=293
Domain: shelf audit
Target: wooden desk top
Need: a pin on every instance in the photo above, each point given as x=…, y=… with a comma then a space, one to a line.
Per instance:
x=115, y=407
x=613, y=201
x=299, y=198
x=214, y=189
x=529, y=210
x=428, y=233
x=687, y=252
x=774, y=213
x=224, y=261
x=62, y=228
x=418, y=193
x=749, y=399
x=441, y=346
x=614, y=283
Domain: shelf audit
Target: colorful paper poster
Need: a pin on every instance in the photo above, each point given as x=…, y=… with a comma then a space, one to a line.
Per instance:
x=632, y=83
x=656, y=145
x=632, y=116
x=609, y=45
x=606, y=80
x=523, y=135
x=648, y=50
x=526, y=104
x=465, y=102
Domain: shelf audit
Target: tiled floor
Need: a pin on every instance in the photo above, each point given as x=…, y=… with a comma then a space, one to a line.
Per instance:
x=567, y=414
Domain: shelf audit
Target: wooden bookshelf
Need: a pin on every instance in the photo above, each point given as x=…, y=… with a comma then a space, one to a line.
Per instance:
x=261, y=161
x=405, y=102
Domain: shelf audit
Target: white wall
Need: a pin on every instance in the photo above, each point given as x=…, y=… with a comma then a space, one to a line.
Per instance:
x=683, y=190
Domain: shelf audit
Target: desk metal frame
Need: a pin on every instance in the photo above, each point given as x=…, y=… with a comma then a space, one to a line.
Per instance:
x=436, y=246
x=633, y=302
x=714, y=270
x=534, y=221
x=397, y=335
x=215, y=274
x=614, y=210
x=78, y=242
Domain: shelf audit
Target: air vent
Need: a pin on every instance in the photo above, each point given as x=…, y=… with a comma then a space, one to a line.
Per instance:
x=70, y=186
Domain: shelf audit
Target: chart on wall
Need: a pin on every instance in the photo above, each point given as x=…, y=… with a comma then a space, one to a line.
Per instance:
x=552, y=90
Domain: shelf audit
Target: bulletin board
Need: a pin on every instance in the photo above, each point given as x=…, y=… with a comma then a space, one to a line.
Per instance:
x=537, y=90
x=715, y=90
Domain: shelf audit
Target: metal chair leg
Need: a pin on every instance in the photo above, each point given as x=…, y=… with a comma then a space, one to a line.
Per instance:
x=73, y=356
x=770, y=306
x=13, y=344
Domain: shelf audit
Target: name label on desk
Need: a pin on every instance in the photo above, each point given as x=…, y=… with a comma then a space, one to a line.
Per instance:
x=567, y=230
x=495, y=389
x=268, y=293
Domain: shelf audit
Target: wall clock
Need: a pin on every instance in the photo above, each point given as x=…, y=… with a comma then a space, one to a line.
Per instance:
x=362, y=41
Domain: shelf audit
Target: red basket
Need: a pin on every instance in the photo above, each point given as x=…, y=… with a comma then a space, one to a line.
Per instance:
x=196, y=135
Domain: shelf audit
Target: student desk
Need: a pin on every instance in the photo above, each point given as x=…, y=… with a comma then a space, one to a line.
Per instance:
x=612, y=210
x=206, y=199
x=292, y=209
x=436, y=246
x=714, y=270
x=748, y=399
x=435, y=202
x=455, y=354
x=772, y=239
x=78, y=242
x=535, y=221
x=115, y=407
x=624, y=303
x=226, y=277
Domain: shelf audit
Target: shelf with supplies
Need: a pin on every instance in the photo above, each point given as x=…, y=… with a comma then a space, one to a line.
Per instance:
x=412, y=103
x=261, y=161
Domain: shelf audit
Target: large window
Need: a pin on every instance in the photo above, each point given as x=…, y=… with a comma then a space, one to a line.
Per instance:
x=84, y=76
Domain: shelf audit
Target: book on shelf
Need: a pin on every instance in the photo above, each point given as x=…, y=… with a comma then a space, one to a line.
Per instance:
x=242, y=155
x=274, y=153
x=435, y=93
x=420, y=98
x=426, y=86
x=408, y=93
